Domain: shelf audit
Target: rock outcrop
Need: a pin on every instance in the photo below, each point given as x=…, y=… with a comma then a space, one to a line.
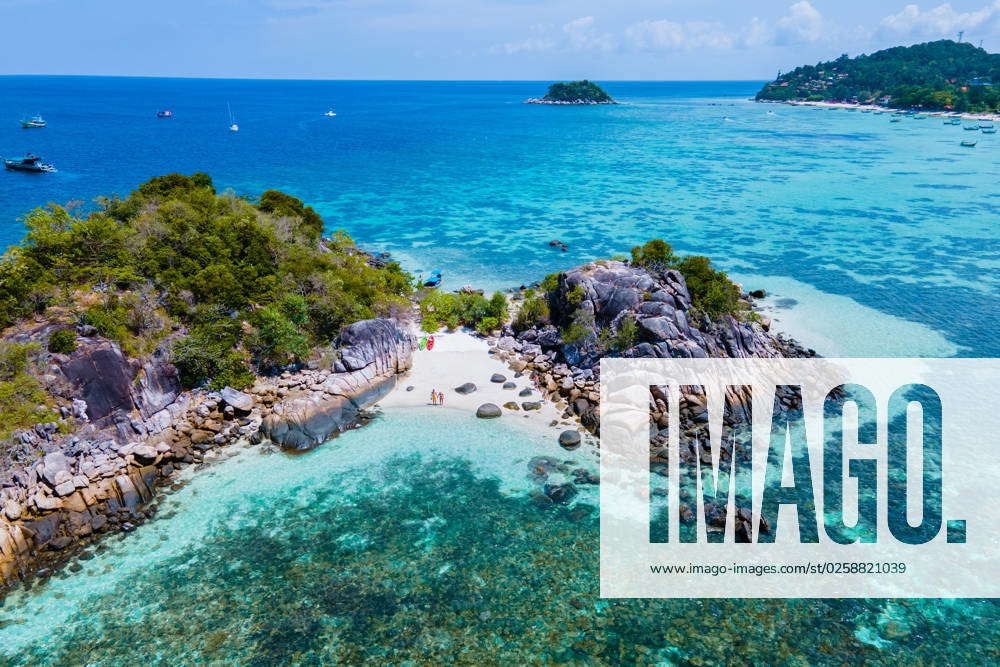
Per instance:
x=595, y=300
x=372, y=354
x=137, y=429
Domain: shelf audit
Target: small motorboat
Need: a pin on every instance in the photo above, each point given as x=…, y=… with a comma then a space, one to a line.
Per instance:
x=331, y=113
x=166, y=113
x=985, y=125
x=969, y=144
x=895, y=119
x=989, y=130
x=970, y=128
x=434, y=280
x=233, y=127
x=37, y=121
x=28, y=163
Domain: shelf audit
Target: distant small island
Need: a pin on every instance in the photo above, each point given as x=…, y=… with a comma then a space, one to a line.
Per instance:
x=575, y=92
x=943, y=75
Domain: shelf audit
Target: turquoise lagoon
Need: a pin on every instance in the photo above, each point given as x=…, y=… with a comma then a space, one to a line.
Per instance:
x=387, y=546
x=394, y=543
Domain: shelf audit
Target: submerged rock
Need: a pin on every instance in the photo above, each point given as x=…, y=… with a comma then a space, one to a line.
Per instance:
x=560, y=493
x=569, y=440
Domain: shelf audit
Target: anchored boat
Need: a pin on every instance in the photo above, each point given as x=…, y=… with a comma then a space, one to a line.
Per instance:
x=434, y=280
x=969, y=144
x=166, y=113
x=28, y=163
x=331, y=113
x=37, y=121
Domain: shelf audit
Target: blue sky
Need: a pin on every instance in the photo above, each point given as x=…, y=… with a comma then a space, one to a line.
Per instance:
x=467, y=39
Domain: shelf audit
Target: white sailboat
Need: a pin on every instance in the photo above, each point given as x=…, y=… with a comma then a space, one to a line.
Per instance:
x=331, y=113
x=233, y=127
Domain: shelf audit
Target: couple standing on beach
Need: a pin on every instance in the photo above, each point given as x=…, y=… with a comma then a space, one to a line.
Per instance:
x=437, y=398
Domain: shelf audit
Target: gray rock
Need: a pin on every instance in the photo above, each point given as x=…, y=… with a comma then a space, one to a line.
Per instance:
x=531, y=405
x=511, y=405
x=237, y=399
x=144, y=454
x=65, y=488
x=498, y=378
x=53, y=464
x=466, y=388
x=524, y=392
x=488, y=411
x=378, y=343
x=658, y=328
x=509, y=385
x=569, y=440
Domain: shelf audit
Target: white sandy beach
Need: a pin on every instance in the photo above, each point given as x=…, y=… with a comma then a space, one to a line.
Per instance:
x=459, y=357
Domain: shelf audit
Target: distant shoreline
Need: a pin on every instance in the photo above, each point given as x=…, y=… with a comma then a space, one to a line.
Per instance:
x=884, y=109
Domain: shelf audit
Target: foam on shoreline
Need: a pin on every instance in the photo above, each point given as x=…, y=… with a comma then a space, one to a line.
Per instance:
x=879, y=107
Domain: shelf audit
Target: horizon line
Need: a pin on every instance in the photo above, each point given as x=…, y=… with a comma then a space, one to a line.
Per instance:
x=377, y=80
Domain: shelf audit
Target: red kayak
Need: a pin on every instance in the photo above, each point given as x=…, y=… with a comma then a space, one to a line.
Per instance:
x=430, y=343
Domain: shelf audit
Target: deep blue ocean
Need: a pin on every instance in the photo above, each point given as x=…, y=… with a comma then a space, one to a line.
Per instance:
x=874, y=238
x=419, y=539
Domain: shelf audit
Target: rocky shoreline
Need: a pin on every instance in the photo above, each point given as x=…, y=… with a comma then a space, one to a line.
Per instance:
x=140, y=430
x=539, y=100
x=830, y=104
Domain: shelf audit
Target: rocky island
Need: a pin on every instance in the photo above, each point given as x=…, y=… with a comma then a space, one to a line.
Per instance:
x=575, y=92
x=146, y=337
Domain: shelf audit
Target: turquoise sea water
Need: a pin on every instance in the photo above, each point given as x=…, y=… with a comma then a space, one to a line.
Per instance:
x=384, y=546
x=897, y=218
x=392, y=543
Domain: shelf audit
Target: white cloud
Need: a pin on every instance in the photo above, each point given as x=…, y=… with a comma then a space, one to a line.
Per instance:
x=577, y=35
x=941, y=21
x=663, y=35
x=583, y=37
x=802, y=24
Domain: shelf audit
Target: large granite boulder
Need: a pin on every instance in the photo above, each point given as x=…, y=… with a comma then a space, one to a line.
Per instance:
x=114, y=387
x=372, y=354
x=381, y=345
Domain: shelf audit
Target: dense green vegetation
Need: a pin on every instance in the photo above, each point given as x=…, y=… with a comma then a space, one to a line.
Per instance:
x=712, y=292
x=235, y=285
x=23, y=402
x=453, y=310
x=936, y=75
x=62, y=341
x=577, y=91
